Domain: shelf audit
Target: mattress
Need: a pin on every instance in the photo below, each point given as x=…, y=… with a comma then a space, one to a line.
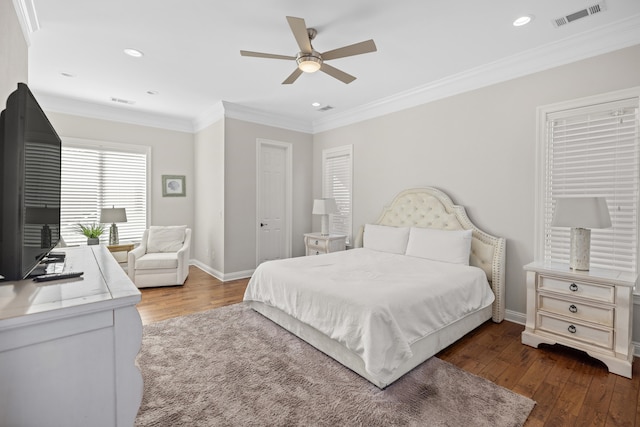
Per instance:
x=375, y=305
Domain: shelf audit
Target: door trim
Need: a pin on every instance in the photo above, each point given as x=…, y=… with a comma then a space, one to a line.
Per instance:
x=288, y=227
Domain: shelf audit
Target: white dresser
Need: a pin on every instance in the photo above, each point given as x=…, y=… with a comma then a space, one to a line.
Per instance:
x=68, y=347
x=587, y=310
x=317, y=244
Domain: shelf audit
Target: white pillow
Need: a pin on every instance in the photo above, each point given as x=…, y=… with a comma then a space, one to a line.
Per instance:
x=452, y=246
x=165, y=238
x=385, y=238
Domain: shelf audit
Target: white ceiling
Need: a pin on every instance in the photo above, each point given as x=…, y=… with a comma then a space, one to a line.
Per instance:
x=426, y=49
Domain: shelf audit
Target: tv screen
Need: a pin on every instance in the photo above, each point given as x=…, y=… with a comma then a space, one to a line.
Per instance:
x=30, y=190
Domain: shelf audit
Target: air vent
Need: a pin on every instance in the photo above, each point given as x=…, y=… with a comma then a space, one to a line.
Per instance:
x=564, y=20
x=326, y=108
x=122, y=101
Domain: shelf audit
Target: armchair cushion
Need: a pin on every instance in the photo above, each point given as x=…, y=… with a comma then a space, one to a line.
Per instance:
x=165, y=239
x=152, y=261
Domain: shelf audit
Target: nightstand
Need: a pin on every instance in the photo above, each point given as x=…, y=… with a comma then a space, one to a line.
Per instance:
x=316, y=243
x=587, y=310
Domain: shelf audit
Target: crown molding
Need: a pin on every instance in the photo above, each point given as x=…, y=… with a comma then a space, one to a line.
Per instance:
x=27, y=17
x=254, y=115
x=92, y=110
x=601, y=40
x=208, y=117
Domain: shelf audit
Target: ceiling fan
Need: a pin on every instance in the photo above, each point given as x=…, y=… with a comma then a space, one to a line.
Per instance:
x=309, y=60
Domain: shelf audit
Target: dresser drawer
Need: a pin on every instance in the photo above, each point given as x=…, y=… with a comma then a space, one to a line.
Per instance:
x=576, y=331
x=576, y=288
x=602, y=315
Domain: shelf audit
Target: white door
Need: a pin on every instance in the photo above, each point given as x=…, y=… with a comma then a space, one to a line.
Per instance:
x=274, y=201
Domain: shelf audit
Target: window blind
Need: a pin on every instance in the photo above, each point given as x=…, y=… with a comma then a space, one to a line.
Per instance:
x=337, y=165
x=96, y=178
x=594, y=151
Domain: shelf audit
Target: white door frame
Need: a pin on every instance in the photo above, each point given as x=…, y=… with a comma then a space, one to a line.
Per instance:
x=288, y=147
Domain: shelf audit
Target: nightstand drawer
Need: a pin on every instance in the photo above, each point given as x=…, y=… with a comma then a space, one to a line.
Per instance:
x=601, y=315
x=575, y=288
x=576, y=331
x=316, y=244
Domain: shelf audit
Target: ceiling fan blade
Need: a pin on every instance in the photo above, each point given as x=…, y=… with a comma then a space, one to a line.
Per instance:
x=354, y=49
x=293, y=77
x=338, y=74
x=299, y=29
x=265, y=55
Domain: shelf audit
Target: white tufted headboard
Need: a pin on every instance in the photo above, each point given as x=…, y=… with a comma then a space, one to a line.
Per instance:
x=431, y=208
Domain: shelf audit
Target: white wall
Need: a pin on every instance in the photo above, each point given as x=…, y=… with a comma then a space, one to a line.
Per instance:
x=13, y=52
x=478, y=147
x=172, y=153
x=240, y=190
x=208, y=244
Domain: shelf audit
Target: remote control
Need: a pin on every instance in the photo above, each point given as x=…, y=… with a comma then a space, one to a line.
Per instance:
x=58, y=276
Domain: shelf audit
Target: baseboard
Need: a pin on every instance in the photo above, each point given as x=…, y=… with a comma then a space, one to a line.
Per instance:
x=515, y=317
x=219, y=275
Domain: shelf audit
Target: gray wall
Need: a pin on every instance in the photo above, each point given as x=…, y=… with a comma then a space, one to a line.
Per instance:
x=479, y=147
x=241, y=190
x=208, y=246
x=13, y=52
x=171, y=154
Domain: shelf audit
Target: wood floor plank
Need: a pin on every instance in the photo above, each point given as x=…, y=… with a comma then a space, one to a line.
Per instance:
x=569, y=387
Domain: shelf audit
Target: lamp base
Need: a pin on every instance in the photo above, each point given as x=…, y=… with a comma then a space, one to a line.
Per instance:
x=324, y=225
x=580, y=249
x=113, y=235
x=45, y=237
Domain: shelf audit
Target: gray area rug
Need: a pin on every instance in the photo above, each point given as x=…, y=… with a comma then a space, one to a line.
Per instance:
x=232, y=367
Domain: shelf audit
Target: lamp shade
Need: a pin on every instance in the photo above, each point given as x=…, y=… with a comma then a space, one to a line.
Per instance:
x=44, y=215
x=324, y=207
x=581, y=212
x=113, y=215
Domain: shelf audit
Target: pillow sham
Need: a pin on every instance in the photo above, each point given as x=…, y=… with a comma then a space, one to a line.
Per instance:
x=453, y=246
x=385, y=238
x=165, y=239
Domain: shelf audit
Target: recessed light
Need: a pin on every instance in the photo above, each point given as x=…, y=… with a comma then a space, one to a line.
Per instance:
x=523, y=20
x=315, y=104
x=67, y=74
x=152, y=92
x=133, y=52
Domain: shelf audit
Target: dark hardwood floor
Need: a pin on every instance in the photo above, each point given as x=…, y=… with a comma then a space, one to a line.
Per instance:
x=570, y=388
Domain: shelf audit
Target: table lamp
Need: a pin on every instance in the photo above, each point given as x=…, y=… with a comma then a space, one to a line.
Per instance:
x=324, y=207
x=43, y=216
x=581, y=214
x=113, y=215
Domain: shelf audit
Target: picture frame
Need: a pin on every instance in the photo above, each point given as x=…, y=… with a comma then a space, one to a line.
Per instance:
x=174, y=186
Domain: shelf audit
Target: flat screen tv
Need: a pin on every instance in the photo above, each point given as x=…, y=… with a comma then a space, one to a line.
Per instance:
x=29, y=185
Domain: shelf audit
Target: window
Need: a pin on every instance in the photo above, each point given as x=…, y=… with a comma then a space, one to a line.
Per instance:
x=591, y=148
x=337, y=166
x=96, y=176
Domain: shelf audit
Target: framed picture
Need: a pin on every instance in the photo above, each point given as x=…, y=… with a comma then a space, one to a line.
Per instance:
x=173, y=186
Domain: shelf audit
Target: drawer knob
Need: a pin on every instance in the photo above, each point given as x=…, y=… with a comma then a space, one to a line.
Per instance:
x=573, y=287
x=573, y=308
x=316, y=242
x=572, y=329
x=317, y=253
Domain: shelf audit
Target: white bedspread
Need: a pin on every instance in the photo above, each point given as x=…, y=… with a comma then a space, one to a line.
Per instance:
x=375, y=303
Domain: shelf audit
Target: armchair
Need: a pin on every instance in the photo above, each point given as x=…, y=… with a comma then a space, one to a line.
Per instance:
x=162, y=258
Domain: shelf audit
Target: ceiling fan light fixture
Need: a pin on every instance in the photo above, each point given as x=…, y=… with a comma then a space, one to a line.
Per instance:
x=309, y=63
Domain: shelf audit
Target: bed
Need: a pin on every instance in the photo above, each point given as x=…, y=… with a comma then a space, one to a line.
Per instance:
x=365, y=307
